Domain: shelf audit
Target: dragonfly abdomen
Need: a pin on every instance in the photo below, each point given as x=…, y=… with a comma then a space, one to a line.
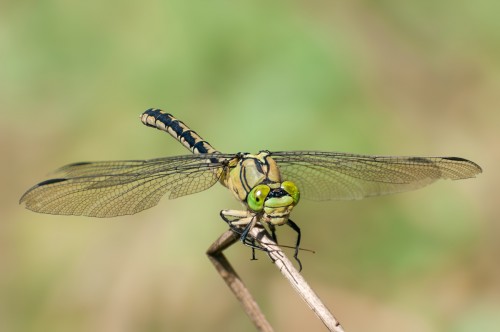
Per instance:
x=158, y=119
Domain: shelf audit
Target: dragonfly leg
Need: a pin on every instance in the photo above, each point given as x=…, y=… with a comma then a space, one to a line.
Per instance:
x=234, y=218
x=237, y=214
x=254, y=258
x=244, y=235
x=297, y=243
x=237, y=218
x=272, y=228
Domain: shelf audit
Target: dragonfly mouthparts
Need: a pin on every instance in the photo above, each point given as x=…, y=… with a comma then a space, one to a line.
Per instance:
x=277, y=193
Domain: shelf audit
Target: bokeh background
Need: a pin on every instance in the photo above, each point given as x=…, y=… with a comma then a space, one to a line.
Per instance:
x=385, y=77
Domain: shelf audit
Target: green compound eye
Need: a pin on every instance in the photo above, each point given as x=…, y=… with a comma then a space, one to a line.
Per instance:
x=256, y=197
x=292, y=190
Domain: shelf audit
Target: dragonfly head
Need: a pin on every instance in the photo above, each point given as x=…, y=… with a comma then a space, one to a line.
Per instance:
x=274, y=200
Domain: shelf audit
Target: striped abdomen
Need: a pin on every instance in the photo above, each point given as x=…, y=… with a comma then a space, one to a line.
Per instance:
x=189, y=138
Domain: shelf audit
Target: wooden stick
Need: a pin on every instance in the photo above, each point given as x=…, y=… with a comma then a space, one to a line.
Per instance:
x=234, y=282
x=296, y=280
x=286, y=268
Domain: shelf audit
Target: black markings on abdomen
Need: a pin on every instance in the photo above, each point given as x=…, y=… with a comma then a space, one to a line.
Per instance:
x=176, y=128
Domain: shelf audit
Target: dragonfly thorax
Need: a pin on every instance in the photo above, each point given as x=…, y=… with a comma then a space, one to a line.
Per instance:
x=246, y=171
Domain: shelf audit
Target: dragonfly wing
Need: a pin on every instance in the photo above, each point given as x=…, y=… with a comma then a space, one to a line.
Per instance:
x=337, y=176
x=108, y=189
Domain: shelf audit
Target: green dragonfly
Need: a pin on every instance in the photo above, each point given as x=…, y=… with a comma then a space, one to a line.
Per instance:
x=268, y=184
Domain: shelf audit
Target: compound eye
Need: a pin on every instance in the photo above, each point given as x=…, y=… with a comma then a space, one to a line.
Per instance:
x=256, y=197
x=292, y=190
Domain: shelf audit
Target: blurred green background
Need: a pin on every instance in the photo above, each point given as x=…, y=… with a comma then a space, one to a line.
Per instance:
x=378, y=77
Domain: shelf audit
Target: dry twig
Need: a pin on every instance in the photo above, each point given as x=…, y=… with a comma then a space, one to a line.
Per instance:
x=234, y=282
x=286, y=268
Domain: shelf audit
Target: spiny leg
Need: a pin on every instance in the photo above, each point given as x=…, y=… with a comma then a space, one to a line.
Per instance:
x=254, y=258
x=272, y=228
x=244, y=235
x=242, y=218
x=230, y=216
x=297, y=243
x=235, y=218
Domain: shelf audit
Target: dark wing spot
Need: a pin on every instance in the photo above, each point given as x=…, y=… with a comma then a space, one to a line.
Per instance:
x=456, y=159
x=79, y=164
x=51, y=181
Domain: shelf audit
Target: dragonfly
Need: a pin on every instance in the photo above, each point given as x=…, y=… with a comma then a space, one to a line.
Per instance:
x=267, y=184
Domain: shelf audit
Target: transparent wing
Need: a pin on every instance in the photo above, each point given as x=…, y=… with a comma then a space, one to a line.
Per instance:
x=114, y=188
x=337, y=176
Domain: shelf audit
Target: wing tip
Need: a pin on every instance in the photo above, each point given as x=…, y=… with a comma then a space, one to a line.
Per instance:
x=472, y=170
x=38, y=185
